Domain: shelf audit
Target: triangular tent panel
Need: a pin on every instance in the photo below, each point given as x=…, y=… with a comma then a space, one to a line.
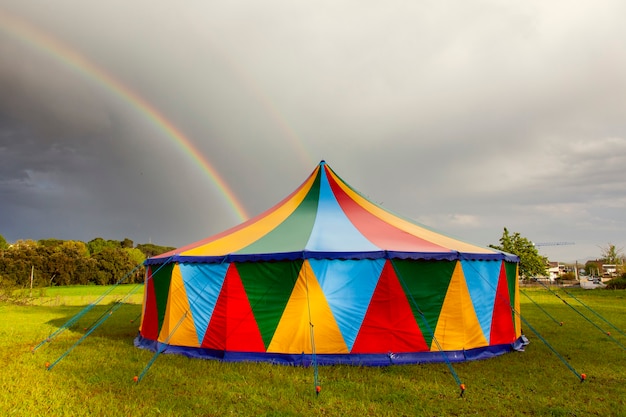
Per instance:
x=328, y=274
x=232, y=325
x=482, y=281
x=178, y=325
x=513, y=282
x=389, y=324
x=426, y=284
x=203, y=285
x=268, y=286
x=150, y=314
x=348, y=286
x=502, y=327
x=307, y=323
x=458, y=324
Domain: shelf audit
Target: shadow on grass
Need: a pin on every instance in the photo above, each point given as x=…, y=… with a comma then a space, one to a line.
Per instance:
x=112, y=321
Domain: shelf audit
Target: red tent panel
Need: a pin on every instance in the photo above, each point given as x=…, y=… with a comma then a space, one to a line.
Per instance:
x=232, y=326
x=502, y=328
x=389, y=324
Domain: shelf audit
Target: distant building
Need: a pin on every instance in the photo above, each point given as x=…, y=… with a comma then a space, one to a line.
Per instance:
x=604, y=271
x=609, y=270
x=555, y=270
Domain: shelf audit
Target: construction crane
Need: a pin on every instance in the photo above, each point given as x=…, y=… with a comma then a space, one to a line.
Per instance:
x=552, y=244
x=538, y=245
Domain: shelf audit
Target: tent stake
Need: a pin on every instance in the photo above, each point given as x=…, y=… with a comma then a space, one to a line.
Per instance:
x=558, y=355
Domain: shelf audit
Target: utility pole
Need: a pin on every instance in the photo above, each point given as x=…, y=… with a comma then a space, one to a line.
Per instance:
x=32, y=273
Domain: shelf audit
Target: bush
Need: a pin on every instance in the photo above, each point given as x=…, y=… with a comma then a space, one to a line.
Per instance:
x=617, y=283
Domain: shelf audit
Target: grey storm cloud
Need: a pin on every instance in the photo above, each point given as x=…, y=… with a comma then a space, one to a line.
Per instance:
x=468, y=116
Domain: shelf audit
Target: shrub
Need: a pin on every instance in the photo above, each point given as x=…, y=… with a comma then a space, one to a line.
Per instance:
x=617, y=283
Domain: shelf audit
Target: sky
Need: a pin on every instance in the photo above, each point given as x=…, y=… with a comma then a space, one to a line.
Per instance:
x=167, y=122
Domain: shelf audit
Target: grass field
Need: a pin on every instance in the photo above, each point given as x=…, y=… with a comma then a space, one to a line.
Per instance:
x=96, y=378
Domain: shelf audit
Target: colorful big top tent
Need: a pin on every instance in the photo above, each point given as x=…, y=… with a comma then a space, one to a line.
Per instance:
x=327, y=275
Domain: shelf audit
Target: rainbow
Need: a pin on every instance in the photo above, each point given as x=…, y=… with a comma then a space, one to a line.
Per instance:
x=51, y=47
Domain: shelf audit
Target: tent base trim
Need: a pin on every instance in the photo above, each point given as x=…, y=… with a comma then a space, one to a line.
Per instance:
x=362, y=359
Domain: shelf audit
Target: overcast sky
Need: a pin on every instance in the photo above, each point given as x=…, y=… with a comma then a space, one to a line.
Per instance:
x=467, y=116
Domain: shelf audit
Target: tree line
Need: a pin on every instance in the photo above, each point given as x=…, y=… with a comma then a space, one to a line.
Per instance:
x=70, y=262
x=104, y=262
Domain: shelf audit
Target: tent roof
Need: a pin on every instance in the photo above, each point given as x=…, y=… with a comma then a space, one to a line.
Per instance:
x=325, y=218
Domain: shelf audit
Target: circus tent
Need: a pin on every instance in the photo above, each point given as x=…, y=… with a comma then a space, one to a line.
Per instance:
x=327, y=274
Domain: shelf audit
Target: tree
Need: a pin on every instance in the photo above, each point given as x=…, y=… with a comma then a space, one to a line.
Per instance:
x=98, y=244
x=127, y=243
x=593, y=268
x=3, y=243
x=137, y=258
x=612, y=255
x=50, y=243
x=64, y=261
x=112, y=265
x=530, y=262
x=150, y=250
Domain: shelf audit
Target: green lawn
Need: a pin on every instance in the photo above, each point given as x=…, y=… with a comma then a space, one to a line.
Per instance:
x=81, y=295
x=96, y=378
